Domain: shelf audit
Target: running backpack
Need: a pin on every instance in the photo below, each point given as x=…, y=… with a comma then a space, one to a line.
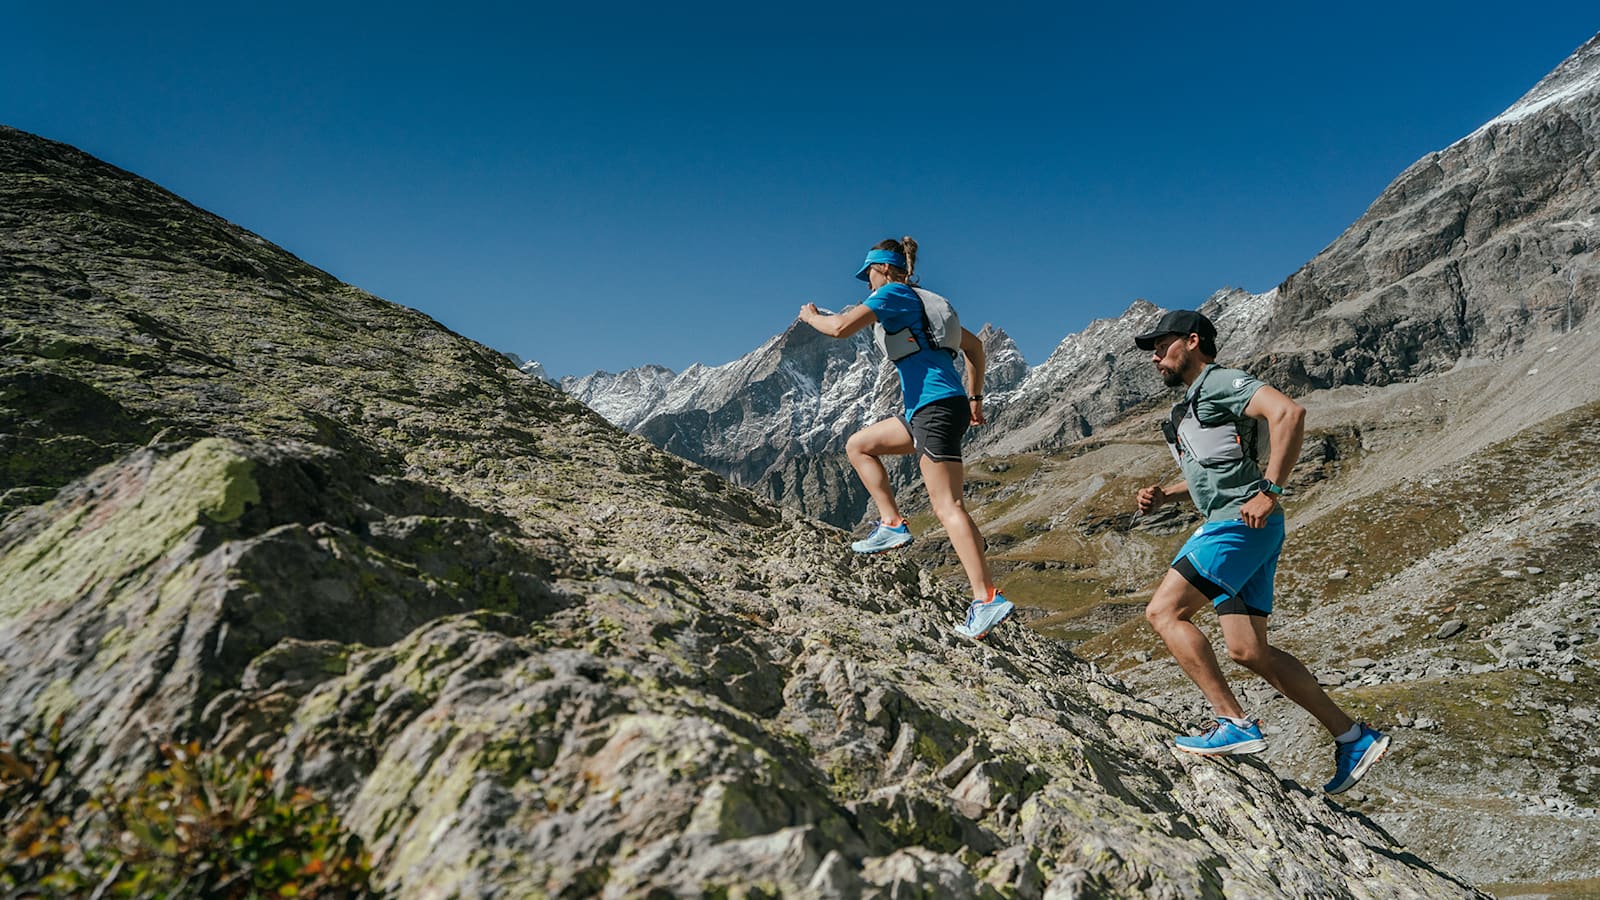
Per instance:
x=939, y=322
x=1215, y=443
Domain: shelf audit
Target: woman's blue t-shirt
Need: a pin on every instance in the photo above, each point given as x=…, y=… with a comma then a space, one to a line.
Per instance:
x=930, y=373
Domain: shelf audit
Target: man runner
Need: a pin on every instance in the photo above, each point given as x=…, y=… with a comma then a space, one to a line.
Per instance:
x=1230, y=561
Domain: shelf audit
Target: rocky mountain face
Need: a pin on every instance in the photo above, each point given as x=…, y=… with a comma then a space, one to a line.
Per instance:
x=532, y=368
x=521, y=652
x=777, y=419
x=624, y=399
x=1471, y=251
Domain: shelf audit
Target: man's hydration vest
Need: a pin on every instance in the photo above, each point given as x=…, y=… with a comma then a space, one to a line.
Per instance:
x=1210, y=445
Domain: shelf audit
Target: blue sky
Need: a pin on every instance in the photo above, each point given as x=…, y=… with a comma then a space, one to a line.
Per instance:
x=604, y=186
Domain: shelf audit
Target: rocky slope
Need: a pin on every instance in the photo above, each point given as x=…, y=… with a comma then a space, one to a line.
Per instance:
x=523, y=653
x=1470, y=252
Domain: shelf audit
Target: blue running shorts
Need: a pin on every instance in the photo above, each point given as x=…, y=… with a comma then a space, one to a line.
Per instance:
x=1233, y=564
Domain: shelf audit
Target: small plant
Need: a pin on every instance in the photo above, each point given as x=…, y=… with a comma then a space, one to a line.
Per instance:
x=37, y=837
x=201, y=825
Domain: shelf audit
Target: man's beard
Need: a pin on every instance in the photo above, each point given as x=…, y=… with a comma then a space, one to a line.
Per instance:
x=1172, y=378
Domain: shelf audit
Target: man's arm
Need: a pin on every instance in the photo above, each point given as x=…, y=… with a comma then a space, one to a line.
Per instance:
x=1150, y=498
x=1286, y=423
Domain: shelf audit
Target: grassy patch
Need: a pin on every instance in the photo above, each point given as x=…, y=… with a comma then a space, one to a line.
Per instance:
x=1056, y=590
x=1502, y=712
x=1379, y=535
x=1113, y=648
x=1002, y=471
x=1578, y=889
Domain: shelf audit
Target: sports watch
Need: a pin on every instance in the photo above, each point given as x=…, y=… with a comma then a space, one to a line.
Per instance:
x=1265, y=486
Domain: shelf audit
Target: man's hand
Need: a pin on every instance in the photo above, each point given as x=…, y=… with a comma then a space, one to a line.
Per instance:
x=1257, y=508
x=976, y=404
x=1151, y=498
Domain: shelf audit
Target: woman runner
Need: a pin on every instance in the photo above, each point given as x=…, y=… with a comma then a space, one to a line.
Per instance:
x=938, y=410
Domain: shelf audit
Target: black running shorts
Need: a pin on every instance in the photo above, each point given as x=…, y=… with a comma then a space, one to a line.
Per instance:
x=937, y=428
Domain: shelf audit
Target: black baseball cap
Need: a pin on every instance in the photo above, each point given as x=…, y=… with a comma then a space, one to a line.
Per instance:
x=1178, y=321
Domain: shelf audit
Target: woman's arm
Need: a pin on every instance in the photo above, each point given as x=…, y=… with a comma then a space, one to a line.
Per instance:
x=839, y=325
x=977, y=362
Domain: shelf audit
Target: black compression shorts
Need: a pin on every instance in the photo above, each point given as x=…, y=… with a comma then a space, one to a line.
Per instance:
x=937, y=428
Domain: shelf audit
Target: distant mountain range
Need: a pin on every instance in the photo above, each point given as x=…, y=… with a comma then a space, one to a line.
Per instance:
x=778, y=417
x=1467, y=252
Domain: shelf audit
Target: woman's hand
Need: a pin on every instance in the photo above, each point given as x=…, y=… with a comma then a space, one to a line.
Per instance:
x=976, y=403
x=809, y=312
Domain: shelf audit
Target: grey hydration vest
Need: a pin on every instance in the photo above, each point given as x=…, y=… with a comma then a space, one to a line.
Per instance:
x=1210, y=445
x=940, y=326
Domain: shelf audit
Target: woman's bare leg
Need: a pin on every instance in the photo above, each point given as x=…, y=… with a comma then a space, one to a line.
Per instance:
x=944, y=481
x=889, y=437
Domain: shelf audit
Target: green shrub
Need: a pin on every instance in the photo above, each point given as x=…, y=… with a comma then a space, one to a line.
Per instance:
x=200, y=826
x=37, y=835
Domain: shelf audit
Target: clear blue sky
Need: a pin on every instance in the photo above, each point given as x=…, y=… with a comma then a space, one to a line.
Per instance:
x=600, y=186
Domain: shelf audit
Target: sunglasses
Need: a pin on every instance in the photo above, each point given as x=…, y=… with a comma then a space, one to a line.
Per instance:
x=1165, y=344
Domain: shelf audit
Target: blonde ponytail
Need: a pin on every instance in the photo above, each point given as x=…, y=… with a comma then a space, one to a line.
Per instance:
x=909, y=245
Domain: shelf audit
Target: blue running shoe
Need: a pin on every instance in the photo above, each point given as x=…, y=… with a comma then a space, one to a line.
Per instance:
x=985, y=615
x=884, y=537
x=1352, y=760
x=1223, y=739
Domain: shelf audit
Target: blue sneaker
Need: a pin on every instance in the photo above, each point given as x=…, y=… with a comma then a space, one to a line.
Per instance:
x=985, y=615
x=884, y=537
x=1223, y=739
x=1353, y=759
